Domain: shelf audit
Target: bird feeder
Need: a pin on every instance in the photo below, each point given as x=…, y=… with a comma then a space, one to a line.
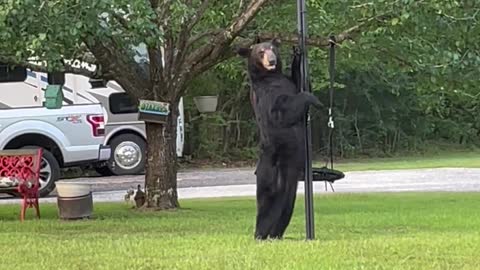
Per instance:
x=206, y=104
x=53, y=97
x=153, y=111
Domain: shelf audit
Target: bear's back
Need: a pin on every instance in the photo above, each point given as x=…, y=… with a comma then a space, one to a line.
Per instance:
x=266, y=90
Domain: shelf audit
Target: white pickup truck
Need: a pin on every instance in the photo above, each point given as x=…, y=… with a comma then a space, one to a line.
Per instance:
x=72, y=135
x=124, y=133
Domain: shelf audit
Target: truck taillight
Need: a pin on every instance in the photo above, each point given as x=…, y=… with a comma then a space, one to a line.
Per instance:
x=97, y=121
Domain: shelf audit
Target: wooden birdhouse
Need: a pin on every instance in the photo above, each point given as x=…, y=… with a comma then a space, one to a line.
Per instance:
x=153, y=111
x=53, y=97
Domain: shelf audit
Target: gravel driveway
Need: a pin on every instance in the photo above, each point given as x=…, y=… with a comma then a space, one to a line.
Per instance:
x=241, y=182
x=449, y=179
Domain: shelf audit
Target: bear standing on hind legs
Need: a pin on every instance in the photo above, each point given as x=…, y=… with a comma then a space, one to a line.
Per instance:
x=279, y=111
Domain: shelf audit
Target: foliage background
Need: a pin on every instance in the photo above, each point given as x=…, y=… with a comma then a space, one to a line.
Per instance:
x=408, y=82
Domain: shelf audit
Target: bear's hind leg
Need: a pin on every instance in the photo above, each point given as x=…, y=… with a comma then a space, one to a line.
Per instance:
x=291, y=177
x=269, y=205
x=265, y=201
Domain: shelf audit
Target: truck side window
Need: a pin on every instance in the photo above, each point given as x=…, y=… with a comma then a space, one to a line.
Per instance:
x=12, y=74
x=122, y=103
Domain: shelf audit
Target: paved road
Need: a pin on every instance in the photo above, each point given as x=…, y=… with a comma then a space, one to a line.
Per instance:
x=241, y=182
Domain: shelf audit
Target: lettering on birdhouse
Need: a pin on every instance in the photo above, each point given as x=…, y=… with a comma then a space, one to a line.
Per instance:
x=153, y=111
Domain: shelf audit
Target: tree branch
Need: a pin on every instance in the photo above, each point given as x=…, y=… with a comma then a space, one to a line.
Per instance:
x=183, y=41
x=318, y=41
x=161, y=10
x=241, y=22
x=241, y=6
x=402, y=61
x=208, y=53
x=154, y=3
x=127, y=72
x=121, y=20
x=199, y=36
x=221, y=48
x=155, y=69
x=198, y=16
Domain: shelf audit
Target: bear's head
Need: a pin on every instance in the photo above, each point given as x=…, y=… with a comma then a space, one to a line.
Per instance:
x=263, y=57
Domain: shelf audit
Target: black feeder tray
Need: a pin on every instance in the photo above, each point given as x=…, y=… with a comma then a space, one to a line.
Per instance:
x=326, y=175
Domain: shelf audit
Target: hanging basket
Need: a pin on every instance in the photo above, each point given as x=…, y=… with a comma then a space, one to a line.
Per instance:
x=206, y=104
x=153, y=111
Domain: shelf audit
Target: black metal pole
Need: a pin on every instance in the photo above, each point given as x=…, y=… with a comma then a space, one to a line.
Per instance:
x=305, y=86
x=331, y=70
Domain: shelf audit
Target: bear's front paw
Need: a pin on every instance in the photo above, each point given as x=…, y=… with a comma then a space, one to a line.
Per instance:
x=275, y=109
x=312, y=99
x=296, y=50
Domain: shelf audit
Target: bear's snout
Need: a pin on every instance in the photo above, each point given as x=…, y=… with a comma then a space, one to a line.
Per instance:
x=269, y=60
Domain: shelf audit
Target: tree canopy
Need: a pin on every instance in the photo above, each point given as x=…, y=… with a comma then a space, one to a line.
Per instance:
x=407, y=68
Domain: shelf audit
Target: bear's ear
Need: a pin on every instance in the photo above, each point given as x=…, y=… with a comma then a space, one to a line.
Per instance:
x=276, y=42
x=244, y=52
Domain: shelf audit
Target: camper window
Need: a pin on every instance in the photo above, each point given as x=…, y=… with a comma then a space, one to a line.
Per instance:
x=56, y=78
x=122, y=103
x=12, y=74
x=97, y=83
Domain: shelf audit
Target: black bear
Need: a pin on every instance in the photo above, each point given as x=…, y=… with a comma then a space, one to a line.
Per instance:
x=280, y=112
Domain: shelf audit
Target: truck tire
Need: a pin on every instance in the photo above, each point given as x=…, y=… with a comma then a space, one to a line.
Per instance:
x=128, y=155
x=49, y=171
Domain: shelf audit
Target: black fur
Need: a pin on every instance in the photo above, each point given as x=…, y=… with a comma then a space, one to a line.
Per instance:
x=280, y=111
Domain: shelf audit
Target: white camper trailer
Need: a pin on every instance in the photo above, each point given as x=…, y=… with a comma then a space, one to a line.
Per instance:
x=124, y=133
x=69, y=136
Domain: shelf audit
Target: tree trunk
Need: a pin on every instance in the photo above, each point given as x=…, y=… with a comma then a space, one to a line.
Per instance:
x=161, y=167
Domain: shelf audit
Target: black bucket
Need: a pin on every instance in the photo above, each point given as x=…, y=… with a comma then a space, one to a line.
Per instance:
x=72, y=208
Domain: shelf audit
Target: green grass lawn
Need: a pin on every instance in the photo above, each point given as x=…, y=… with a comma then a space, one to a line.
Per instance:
x=367, y=231
x=442, y=160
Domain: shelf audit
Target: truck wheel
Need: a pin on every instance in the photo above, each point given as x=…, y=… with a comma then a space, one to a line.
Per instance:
x=128, y=154
x=49, y=172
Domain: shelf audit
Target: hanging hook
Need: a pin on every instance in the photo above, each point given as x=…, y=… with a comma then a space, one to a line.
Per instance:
x=332, y=40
